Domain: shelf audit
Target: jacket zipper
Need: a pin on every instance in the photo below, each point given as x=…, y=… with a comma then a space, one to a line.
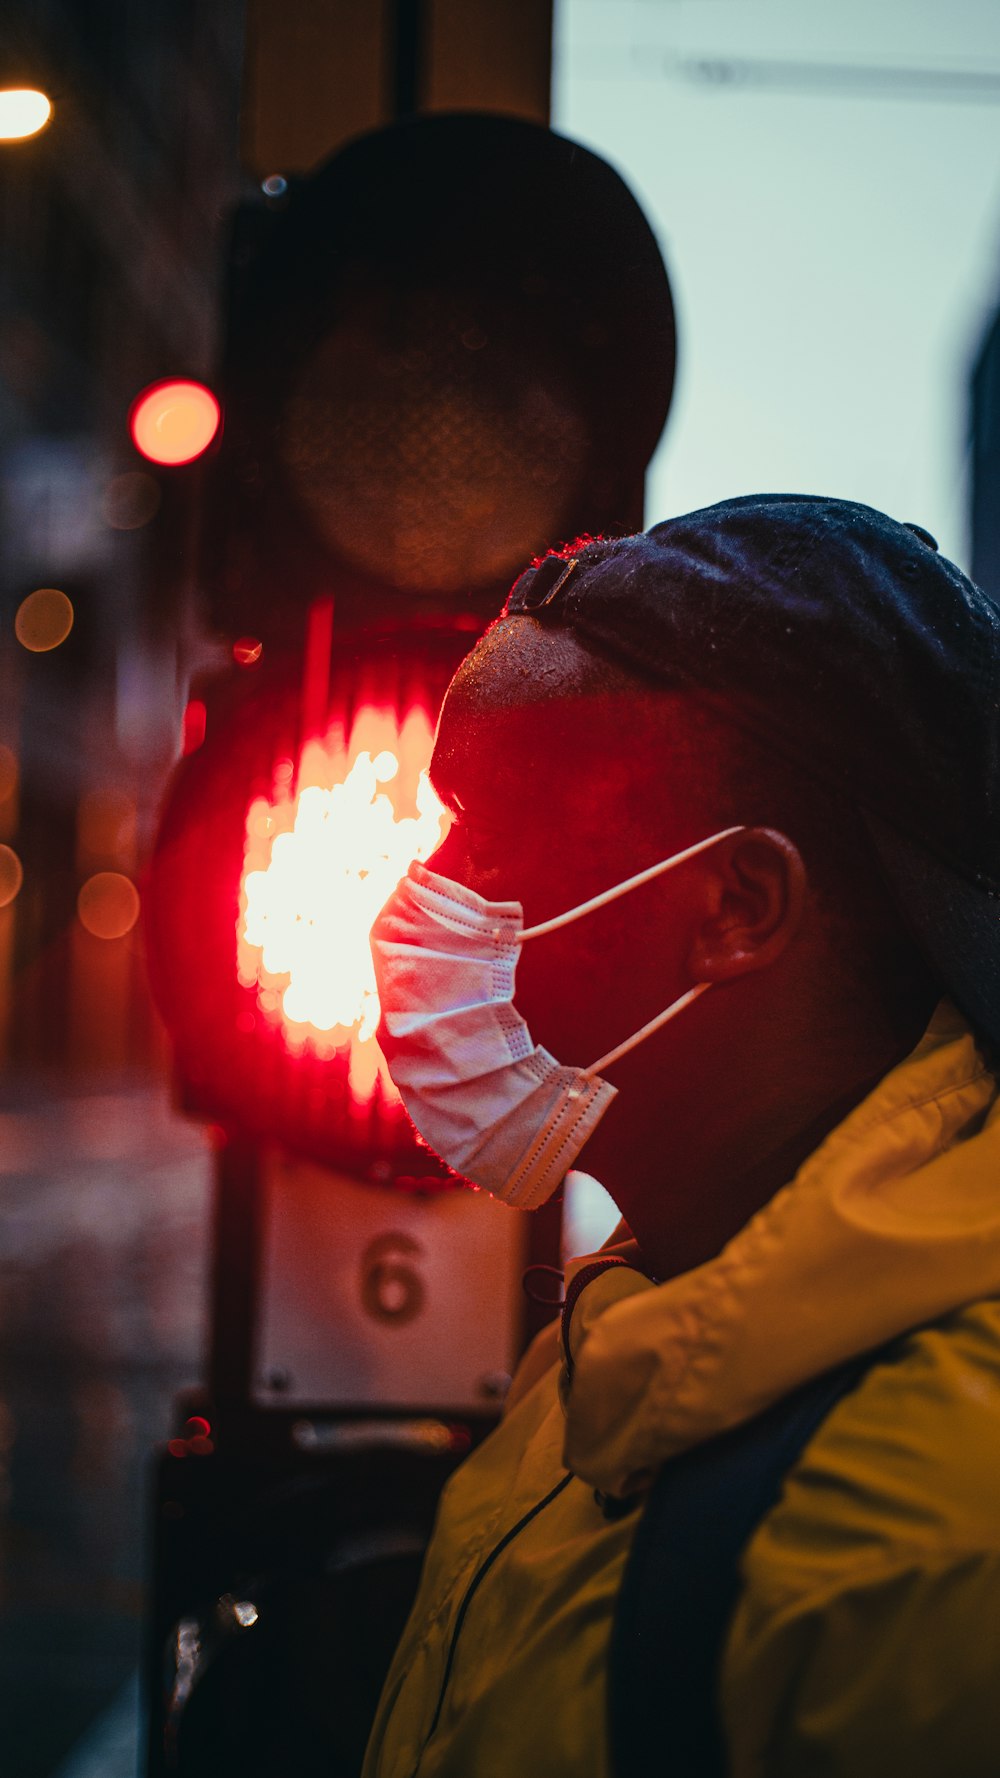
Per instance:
x=470, y=1592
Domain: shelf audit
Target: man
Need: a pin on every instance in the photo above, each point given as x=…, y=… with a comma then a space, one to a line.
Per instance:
x=782, y=716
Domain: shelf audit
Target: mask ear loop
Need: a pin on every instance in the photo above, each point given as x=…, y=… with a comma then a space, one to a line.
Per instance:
x=602, y=900
x=661, y=1019
x=636, y=882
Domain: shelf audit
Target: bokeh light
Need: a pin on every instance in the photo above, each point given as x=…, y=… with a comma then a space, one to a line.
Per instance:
x=108, y=904
x=43, y=620
x=247, y=651
x=23, y=112
x=131, y=500
x=174, y=421
x=11, y=875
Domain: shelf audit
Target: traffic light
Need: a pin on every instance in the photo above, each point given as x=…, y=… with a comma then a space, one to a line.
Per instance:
x=449, y=349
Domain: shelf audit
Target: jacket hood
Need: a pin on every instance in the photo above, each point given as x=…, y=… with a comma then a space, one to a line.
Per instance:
x=892, y=1222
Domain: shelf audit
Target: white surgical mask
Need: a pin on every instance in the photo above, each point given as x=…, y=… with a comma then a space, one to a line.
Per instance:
x=495, y=1106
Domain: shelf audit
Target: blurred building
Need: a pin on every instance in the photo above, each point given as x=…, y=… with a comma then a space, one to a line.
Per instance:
x=113, y=224
x=111, y=244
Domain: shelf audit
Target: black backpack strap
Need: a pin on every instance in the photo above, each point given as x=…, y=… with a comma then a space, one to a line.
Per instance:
x=682, y=1580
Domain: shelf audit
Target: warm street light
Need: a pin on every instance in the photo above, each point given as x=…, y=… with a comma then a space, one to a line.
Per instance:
x=23, y=112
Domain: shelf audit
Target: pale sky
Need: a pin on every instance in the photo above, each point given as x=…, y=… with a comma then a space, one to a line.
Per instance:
x=831, y=227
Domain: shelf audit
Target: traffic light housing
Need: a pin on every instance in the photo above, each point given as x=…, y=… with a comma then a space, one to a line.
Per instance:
x=447, y=350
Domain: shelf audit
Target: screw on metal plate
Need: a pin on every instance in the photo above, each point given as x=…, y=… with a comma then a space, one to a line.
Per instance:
x=494, y=1385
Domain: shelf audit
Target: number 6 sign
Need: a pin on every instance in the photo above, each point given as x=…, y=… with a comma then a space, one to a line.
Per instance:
x=391, y=1287
x=370, y=1296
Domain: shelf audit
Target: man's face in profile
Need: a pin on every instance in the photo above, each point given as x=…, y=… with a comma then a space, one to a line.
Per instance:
x=556, y=799
x=566, y=780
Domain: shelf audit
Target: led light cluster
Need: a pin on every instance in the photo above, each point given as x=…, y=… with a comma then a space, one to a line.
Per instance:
x=320, y=860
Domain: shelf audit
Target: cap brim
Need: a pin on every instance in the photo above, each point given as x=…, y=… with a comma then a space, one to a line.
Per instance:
x=955, y=924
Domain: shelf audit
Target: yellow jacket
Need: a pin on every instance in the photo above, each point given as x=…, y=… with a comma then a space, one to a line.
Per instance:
x=868, y=1628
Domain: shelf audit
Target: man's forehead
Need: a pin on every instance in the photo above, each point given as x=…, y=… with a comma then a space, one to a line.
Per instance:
x=521, y=688
x=521, y=660
x=532, y=713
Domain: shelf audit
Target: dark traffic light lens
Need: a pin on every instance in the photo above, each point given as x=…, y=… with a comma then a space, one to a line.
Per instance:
x=430, y=452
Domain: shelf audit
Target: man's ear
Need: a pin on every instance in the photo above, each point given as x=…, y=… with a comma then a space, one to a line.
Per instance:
x=754, y=892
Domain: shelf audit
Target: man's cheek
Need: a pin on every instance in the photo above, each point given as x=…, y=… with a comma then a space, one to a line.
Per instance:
x=560, y=992
x=452, y=856
x=499, y=867
x=481, y=860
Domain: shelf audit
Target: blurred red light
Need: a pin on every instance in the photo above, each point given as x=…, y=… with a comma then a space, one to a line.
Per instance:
x=174, y=421
x=193, y=726
x=289, y=809
x=247, y=651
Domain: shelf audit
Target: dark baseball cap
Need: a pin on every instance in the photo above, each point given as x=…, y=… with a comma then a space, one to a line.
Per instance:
x=847, y=642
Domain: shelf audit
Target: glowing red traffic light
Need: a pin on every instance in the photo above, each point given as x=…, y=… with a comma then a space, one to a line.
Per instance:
x=174, y=421
x=280, y=839
x=319, y=861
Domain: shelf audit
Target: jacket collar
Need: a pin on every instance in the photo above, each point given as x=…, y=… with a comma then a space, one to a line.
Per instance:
x=892, y=1222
